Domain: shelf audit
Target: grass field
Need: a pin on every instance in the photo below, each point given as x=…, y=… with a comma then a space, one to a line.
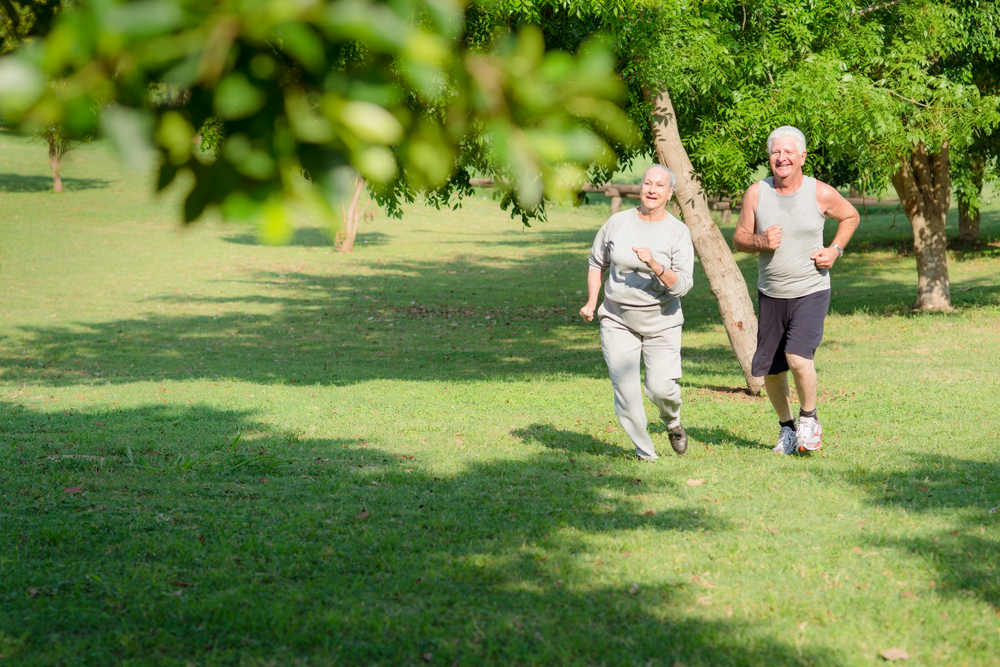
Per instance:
x=216, y=452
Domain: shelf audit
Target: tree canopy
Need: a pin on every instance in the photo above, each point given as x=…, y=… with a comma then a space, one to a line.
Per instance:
x=885, y=92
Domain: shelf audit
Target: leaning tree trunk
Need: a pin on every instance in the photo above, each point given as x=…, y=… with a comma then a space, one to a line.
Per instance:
x=923, y=185
x=724, y=276
x=352, y=217
x=968, y=217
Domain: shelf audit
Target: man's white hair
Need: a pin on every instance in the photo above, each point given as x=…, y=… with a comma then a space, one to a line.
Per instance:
x=788, y=131
x=673, y=181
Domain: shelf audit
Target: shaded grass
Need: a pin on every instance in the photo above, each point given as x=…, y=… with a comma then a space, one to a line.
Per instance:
x=409, y=455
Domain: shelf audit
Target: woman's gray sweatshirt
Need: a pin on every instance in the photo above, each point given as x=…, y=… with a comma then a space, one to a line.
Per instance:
x=630, y=283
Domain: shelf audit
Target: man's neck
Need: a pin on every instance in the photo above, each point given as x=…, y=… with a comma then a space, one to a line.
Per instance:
x=788, y=185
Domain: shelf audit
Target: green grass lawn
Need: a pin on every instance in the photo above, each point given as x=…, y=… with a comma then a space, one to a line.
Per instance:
x=214, y=451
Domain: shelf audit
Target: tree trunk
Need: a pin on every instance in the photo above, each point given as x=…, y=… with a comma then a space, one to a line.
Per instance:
x=968, y=220
x=352, y=216
x=55, y=162
x=923, y=185
x=724, y=276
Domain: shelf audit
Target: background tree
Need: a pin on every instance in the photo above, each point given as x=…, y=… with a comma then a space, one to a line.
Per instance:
x=59, y=143
x=869, y=84
x=971, y=170
x=22, y=20
x=977, y=63
x=351, y=214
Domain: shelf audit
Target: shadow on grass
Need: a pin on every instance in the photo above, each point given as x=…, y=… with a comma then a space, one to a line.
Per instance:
x=350, y=554
x=412, y=320
x=721, y=436
x=21, y=183
x=312, y=237
x=517, y=238
x=984, y=248
x=406, y=319
x=965, y=554
x=571, y=442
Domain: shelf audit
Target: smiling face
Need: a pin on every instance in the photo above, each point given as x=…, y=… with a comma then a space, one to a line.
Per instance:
x=786, y=159
x=655, y=191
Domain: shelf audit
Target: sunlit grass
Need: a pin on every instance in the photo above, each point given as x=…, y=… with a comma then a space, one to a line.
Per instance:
x=219, y=452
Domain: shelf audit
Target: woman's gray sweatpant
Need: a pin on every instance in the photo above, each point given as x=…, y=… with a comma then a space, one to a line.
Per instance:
x=660, y=351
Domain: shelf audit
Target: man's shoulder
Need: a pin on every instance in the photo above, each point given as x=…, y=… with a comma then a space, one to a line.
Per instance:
x=826, y=188
x=755, y=187
x=752, y=194
x=826, y=192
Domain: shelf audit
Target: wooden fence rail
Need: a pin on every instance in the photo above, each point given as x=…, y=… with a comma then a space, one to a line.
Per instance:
x=617, y=192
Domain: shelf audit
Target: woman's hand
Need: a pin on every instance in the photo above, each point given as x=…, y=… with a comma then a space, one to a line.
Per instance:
x=662, y=272
x=644, y=255
x=594, y=278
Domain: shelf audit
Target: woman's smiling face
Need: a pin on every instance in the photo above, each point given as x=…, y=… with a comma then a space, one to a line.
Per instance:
x=655, y=191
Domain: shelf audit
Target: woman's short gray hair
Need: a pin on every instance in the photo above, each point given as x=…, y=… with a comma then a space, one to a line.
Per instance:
x=673, y=181
x=788, y=131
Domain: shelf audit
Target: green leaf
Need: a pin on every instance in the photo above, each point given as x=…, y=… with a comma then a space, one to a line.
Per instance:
x=301, y=43
x=235, y=97
x=21, y=85
x=176, y=135
x=275, y=228
x=371, y=123
x=377, y=164
x=145, y=18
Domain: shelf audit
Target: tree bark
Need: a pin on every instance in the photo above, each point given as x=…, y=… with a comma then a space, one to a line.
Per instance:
x=724, y=276
x=55, y=162
x=352, y=216
x=968, y=222
x=923, y=185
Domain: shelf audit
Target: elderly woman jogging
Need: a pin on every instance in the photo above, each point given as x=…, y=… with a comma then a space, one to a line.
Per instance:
x=648, y=256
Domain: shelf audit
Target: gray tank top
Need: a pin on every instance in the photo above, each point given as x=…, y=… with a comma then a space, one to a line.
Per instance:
x=788, y=273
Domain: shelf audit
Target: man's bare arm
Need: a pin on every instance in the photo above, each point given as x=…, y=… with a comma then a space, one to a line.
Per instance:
x=745, y=238
x=833, y=205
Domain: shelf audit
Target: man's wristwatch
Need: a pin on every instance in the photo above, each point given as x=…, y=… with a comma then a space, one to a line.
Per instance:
x=840, y=251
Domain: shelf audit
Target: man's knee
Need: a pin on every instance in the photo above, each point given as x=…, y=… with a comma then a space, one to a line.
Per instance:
x=799, y=364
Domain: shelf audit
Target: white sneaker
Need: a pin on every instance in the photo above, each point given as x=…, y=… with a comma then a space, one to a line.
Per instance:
x=807, y=435
x=786, y=441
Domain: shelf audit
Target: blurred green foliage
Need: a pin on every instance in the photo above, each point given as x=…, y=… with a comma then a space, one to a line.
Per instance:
x=326, y=87
x=24, y=19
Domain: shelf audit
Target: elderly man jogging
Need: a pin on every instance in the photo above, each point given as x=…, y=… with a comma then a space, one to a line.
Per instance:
x=782, y=220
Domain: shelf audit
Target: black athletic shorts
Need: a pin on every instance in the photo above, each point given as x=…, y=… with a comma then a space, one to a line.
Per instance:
x=788, y=325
